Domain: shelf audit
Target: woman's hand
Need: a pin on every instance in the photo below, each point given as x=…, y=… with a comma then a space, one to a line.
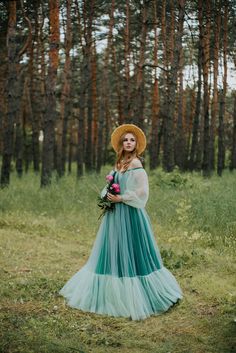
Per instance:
x=114, y=198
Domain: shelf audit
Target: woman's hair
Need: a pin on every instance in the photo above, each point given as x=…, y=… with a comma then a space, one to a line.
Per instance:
x=123, y=160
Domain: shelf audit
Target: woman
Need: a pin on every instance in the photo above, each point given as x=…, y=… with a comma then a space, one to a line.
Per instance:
x=124, y=275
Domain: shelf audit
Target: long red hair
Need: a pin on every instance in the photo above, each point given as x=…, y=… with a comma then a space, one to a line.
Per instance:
x=123, y=158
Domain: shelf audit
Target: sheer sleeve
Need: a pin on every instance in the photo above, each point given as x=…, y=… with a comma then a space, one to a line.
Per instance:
x=137, y=189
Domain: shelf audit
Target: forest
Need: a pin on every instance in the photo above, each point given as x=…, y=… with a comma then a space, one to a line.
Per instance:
x=71, y=71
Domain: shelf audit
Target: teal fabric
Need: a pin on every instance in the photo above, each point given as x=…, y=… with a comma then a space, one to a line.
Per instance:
x=124, y=275
x=128, y=231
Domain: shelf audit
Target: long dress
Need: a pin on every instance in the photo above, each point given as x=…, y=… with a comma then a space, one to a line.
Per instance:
x=124, y=275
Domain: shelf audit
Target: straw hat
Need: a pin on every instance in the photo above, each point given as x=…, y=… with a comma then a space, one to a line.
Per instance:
x=126, y=128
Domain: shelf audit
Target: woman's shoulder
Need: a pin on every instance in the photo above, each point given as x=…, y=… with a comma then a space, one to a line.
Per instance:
x=135, y=163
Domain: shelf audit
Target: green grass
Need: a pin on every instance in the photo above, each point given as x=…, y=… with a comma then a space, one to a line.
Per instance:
x=47, y=235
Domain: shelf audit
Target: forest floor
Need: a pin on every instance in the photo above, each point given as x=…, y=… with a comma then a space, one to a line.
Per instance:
x=47, y=235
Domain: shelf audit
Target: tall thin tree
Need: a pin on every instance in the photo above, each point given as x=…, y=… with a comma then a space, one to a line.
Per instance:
x=206, y=95
x=138, y=117
x=50, y=113
x=155, y=100
x=168, y=152
x=65, y=95
x=12, y=89
x=221, y=133
x=233, y=150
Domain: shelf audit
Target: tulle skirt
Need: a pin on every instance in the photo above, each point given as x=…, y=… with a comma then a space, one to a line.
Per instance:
x=124, y=275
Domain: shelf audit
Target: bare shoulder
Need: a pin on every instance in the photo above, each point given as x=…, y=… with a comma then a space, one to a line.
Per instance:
x=136, y=163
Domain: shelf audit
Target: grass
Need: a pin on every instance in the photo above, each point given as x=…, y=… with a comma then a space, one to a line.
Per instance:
x=46, y=236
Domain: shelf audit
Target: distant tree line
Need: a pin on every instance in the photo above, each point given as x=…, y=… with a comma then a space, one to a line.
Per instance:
x=71, y=71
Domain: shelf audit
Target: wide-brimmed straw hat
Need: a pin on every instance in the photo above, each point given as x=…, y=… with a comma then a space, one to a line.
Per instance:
x=126, y=128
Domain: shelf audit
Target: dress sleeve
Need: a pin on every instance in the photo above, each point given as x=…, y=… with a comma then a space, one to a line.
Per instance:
x=137, y=189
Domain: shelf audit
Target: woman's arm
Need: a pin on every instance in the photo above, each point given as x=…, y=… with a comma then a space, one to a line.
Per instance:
x=137, y=188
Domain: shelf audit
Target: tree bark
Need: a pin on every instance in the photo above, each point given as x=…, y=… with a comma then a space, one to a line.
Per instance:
x=138, y=117
x=72, y=143
x=214, y=109
x=221, y=137
x=127, y=107
x=116, y=71
x=65, y=96
x=20, y=138
x=196, y=123
x=233, y=151
x=155, y=102
x=95, y=106
x=3, y=75
x=80, y=113
x=12, y=89
x=90, y=107
x=50, y=113
x=206, y=99
x=180, y=138
x=168, y=153
x=34, y=96
x=221, y=148
x=104, y=112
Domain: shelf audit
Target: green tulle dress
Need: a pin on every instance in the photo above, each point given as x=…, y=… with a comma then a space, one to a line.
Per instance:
x=124, y=275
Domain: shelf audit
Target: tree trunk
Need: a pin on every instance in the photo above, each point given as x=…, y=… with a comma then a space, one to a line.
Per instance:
x=164, y=43
x=107, y=131
x=168, y=153
x=65, y=96
x=19, y=136
x=23, y=123
x=81, y=121
x=101, y=118
x=196, y=130
x=72, y=143
x=155, y=102
x=95, y=106
x=221, y=148
x=127, y=107
x=12, y=89
x=34, y=96
x=138, y=117
x=214, y=110
x=80, y=113
x=104, y=112
x=206, y=99
x=90, y=107
x=50, y=113
x=180, y=138
x=192, y=109
x=221, y=144
x=116, y=71
x=3, y=75
x=233, y=151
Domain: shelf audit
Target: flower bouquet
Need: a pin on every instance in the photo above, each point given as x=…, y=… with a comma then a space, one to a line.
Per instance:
x=112, y=188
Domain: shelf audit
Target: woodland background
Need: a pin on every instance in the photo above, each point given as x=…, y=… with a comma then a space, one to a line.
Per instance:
x=71, y=71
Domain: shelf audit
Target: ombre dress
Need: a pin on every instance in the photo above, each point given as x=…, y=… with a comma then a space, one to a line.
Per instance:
x=124, y=275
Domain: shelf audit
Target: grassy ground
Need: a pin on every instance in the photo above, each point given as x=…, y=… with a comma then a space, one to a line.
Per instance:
x=46, y=236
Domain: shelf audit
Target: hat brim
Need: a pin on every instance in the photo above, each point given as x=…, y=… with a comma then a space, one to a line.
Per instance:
x=126, y=128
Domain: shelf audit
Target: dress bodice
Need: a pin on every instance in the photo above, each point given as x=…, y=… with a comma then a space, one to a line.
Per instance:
x=134, y=186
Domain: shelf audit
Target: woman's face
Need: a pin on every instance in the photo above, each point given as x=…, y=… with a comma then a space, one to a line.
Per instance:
x=129, y=142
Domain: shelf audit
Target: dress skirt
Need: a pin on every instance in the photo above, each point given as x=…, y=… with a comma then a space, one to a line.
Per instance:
x=124, y=275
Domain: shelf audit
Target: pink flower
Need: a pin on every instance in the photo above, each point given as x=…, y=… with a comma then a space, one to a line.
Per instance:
x=116, y=188
x=109, y=178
